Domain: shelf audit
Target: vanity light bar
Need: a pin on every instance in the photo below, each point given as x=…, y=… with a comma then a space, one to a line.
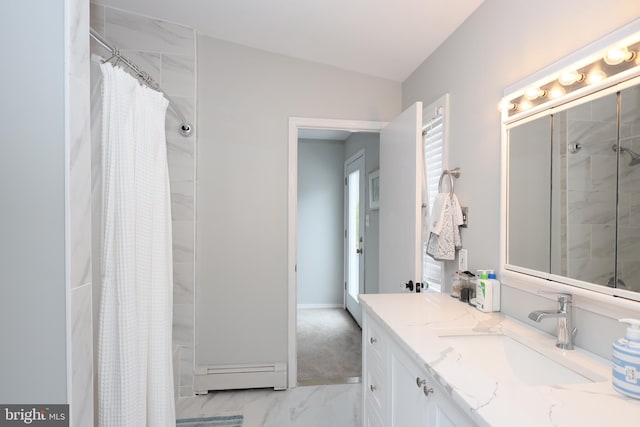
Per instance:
x=594, y=72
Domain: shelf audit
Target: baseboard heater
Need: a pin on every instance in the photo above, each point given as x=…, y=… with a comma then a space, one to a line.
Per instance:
x=229, y=377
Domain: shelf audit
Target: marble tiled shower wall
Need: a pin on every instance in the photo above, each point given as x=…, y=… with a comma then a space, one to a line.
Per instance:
x=167, y=52
x=79, y=209
x=590, y=185
x=629, y=191
x=591, y=190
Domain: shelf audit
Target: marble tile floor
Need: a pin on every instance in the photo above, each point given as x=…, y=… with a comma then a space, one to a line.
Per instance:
x=314, y=406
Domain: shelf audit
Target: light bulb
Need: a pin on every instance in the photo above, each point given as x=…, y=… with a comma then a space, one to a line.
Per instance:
x=534, y=93
x=525, y=105
x=556, y=92
x=569, y=77
x=618, y=55
x=506, y=105
x=596, y=76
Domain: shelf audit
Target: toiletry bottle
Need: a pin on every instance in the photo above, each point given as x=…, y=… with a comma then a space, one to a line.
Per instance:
x=468, y=288
x=495, y=289
x=626, y=361
x=456, y=285
x=484, y=296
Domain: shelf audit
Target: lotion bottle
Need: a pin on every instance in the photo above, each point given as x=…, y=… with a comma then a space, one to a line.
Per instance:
x=484, y=296
x=626, y=361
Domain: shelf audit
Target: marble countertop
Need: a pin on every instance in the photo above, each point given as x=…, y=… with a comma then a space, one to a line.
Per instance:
x=419, y=321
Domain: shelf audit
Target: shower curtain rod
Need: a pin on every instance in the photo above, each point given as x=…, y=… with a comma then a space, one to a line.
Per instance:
x=185, y=129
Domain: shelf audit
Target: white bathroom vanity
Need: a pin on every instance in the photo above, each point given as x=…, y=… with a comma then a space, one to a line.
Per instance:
x=430, y=360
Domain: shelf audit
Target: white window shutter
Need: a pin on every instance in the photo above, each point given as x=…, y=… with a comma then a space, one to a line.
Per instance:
x=435, y=131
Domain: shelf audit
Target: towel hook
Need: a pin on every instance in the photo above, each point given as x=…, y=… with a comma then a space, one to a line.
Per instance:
x=453, y=173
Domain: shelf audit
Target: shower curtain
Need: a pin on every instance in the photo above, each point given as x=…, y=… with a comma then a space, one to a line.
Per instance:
x=135, y=378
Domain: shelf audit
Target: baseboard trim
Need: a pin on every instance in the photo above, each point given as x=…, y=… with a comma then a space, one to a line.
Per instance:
x=230, y=377
x=306, y=306
x=329, y=381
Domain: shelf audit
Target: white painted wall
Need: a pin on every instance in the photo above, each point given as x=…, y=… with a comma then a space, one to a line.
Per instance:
x=33, y=307
x=501, y=43
x=245, y=99
x=320, y=222
x=370, y=142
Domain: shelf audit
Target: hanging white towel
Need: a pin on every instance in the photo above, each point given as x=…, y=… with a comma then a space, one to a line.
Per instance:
x=444, y=236
x=437, y=217
x=135, y=369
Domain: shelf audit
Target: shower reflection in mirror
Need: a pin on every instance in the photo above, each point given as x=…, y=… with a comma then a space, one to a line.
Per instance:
x=573, y=191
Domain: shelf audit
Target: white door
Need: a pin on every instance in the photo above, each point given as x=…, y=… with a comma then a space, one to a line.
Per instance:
x=354, y=233
x=401, y=200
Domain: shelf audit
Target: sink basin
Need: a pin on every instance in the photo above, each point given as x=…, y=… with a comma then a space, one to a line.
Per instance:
x=508, y=360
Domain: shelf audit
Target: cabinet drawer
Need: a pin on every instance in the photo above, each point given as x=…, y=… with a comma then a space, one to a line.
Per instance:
x=376, y=341
x=375, y=360
x=375, y=387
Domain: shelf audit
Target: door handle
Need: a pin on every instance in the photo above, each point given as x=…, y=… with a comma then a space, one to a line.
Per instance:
x=359, y=250
x=418, y=286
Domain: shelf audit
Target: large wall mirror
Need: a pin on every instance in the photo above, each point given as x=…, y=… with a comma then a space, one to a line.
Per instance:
x=573, y=191
x=571, y=164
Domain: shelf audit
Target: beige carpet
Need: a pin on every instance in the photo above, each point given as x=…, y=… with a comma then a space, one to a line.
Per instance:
x=329, y=347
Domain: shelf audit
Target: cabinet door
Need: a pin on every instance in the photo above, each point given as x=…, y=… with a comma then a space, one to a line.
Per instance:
x=417, y=399
x=372, y=417
x=442, y=412
x=398, y=392
x=409, y=405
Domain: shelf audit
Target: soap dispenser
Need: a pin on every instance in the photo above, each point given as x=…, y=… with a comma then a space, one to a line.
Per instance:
x=626, y=361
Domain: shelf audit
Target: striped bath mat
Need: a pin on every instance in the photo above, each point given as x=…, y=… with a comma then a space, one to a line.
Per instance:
x=224, y=421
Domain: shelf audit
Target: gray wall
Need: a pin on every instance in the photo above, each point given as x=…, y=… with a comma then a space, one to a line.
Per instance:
x=321, y=215
x=245, y=99
x=45, y=222
x=496, y=47
x=320, y=222
x=33, y=307
x=370, y=142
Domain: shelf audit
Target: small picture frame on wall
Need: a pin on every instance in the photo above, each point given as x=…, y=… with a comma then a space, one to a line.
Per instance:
x=374, y=189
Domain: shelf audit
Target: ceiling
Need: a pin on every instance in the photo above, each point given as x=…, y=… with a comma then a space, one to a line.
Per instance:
x=383, y=38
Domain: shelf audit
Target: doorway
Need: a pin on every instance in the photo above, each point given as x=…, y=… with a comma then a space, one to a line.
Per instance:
x=330, y=238
x=400, y=184
x=296, y=125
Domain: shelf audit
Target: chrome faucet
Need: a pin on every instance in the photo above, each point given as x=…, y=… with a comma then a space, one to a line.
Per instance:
x=566, y=331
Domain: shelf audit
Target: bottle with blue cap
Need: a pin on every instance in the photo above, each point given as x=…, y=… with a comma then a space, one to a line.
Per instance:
x=495, y=285
x=626, y=361
x=487, y=291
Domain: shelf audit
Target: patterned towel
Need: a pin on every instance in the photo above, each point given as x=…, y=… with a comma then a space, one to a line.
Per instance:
x=444, y=236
